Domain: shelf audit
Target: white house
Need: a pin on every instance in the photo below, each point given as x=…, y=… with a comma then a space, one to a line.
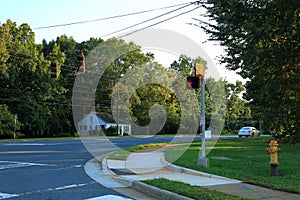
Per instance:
x=95, y=121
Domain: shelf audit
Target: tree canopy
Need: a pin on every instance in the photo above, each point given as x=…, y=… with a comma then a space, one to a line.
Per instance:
x=261, y=40
x=44, y=104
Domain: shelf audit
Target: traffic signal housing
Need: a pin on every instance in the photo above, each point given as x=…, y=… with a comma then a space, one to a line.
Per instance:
x=80, y=63
x=54, y=70
x=193, y=82
x=199, y=70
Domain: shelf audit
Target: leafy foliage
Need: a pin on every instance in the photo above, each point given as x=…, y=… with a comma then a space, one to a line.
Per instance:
x=261, y=40
x=7, y=123
x=44, y=105
x=222, y=99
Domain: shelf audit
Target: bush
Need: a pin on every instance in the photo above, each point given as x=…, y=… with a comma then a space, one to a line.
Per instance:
x=111, y=131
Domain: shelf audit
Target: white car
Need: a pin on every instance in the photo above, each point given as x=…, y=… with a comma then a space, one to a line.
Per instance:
x=248, y=131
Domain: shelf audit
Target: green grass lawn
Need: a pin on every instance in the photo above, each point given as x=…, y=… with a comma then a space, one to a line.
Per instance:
x=247, y=161
x=187, y=190
x=244, y=159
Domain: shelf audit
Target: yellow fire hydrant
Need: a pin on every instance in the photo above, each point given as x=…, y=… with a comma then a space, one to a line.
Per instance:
x=273, y=151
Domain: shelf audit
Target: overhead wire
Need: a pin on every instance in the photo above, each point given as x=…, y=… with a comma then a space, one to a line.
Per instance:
x=112, y=17
x=158, y=22
x=153, y=18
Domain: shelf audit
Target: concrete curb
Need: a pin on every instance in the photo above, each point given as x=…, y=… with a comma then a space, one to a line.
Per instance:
x=142, y=187
x=157, y=192
x=194, y=172
x=197, y=173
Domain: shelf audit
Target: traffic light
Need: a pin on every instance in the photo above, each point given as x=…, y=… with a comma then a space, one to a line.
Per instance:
x=193, y=82
x=54, y=70
x=80, y=63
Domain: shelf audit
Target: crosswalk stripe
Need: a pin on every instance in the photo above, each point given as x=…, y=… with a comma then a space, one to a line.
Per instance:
x=109, y=197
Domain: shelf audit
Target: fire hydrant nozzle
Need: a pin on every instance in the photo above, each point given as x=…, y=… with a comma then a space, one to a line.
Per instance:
x=273, y=151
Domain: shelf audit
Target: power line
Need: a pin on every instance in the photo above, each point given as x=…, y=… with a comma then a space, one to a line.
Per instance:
x=158, y=22
x=112, y=17
x=123, y=29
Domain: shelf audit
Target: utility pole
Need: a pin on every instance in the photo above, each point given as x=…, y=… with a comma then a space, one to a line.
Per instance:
x=117, y=91
x=15, y=125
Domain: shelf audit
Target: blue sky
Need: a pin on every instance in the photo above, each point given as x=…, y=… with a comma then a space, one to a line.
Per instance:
x=43, y=13
x=39, y=13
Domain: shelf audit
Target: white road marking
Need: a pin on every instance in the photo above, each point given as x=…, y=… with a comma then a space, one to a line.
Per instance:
x=27, y=152
x=14, y=164
x=109, y=197
x=25, y=144
x=69, y=186
x=6, y=196
x=37, y=144
x=76, y=166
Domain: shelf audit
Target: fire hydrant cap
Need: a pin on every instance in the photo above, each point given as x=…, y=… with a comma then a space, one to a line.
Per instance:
x=273, y=143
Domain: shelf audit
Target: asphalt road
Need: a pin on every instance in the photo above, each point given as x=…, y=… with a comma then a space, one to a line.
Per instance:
x=53, y=169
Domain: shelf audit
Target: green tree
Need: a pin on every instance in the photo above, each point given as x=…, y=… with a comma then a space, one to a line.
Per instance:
x=24, y=69
x=238, y=112
x=27, y=87
x=147, y=93
x=261, y=40
x=7, y=123
x=185, y=64
x=134, y=58
x=65, y=50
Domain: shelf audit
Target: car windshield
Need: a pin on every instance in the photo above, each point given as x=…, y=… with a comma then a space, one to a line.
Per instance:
x=245, y=128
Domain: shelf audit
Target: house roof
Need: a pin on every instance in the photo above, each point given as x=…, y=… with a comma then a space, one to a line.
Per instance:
x=106, y=117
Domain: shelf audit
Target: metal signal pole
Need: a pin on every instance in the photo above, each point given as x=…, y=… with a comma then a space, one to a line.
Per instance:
x=202, y=160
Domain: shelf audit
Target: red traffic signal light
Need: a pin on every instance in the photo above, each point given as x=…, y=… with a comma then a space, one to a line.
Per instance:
x=54, y=70
x=193, y=82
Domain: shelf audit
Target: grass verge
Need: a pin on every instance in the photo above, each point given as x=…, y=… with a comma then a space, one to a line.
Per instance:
x=246, y=159
x=123, y=153
x=187, y=190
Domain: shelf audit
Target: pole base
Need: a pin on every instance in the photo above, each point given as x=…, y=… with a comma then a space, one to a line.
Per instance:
x=204, y=162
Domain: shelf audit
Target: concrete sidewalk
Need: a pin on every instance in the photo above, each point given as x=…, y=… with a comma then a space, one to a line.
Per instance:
x=150, y=165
